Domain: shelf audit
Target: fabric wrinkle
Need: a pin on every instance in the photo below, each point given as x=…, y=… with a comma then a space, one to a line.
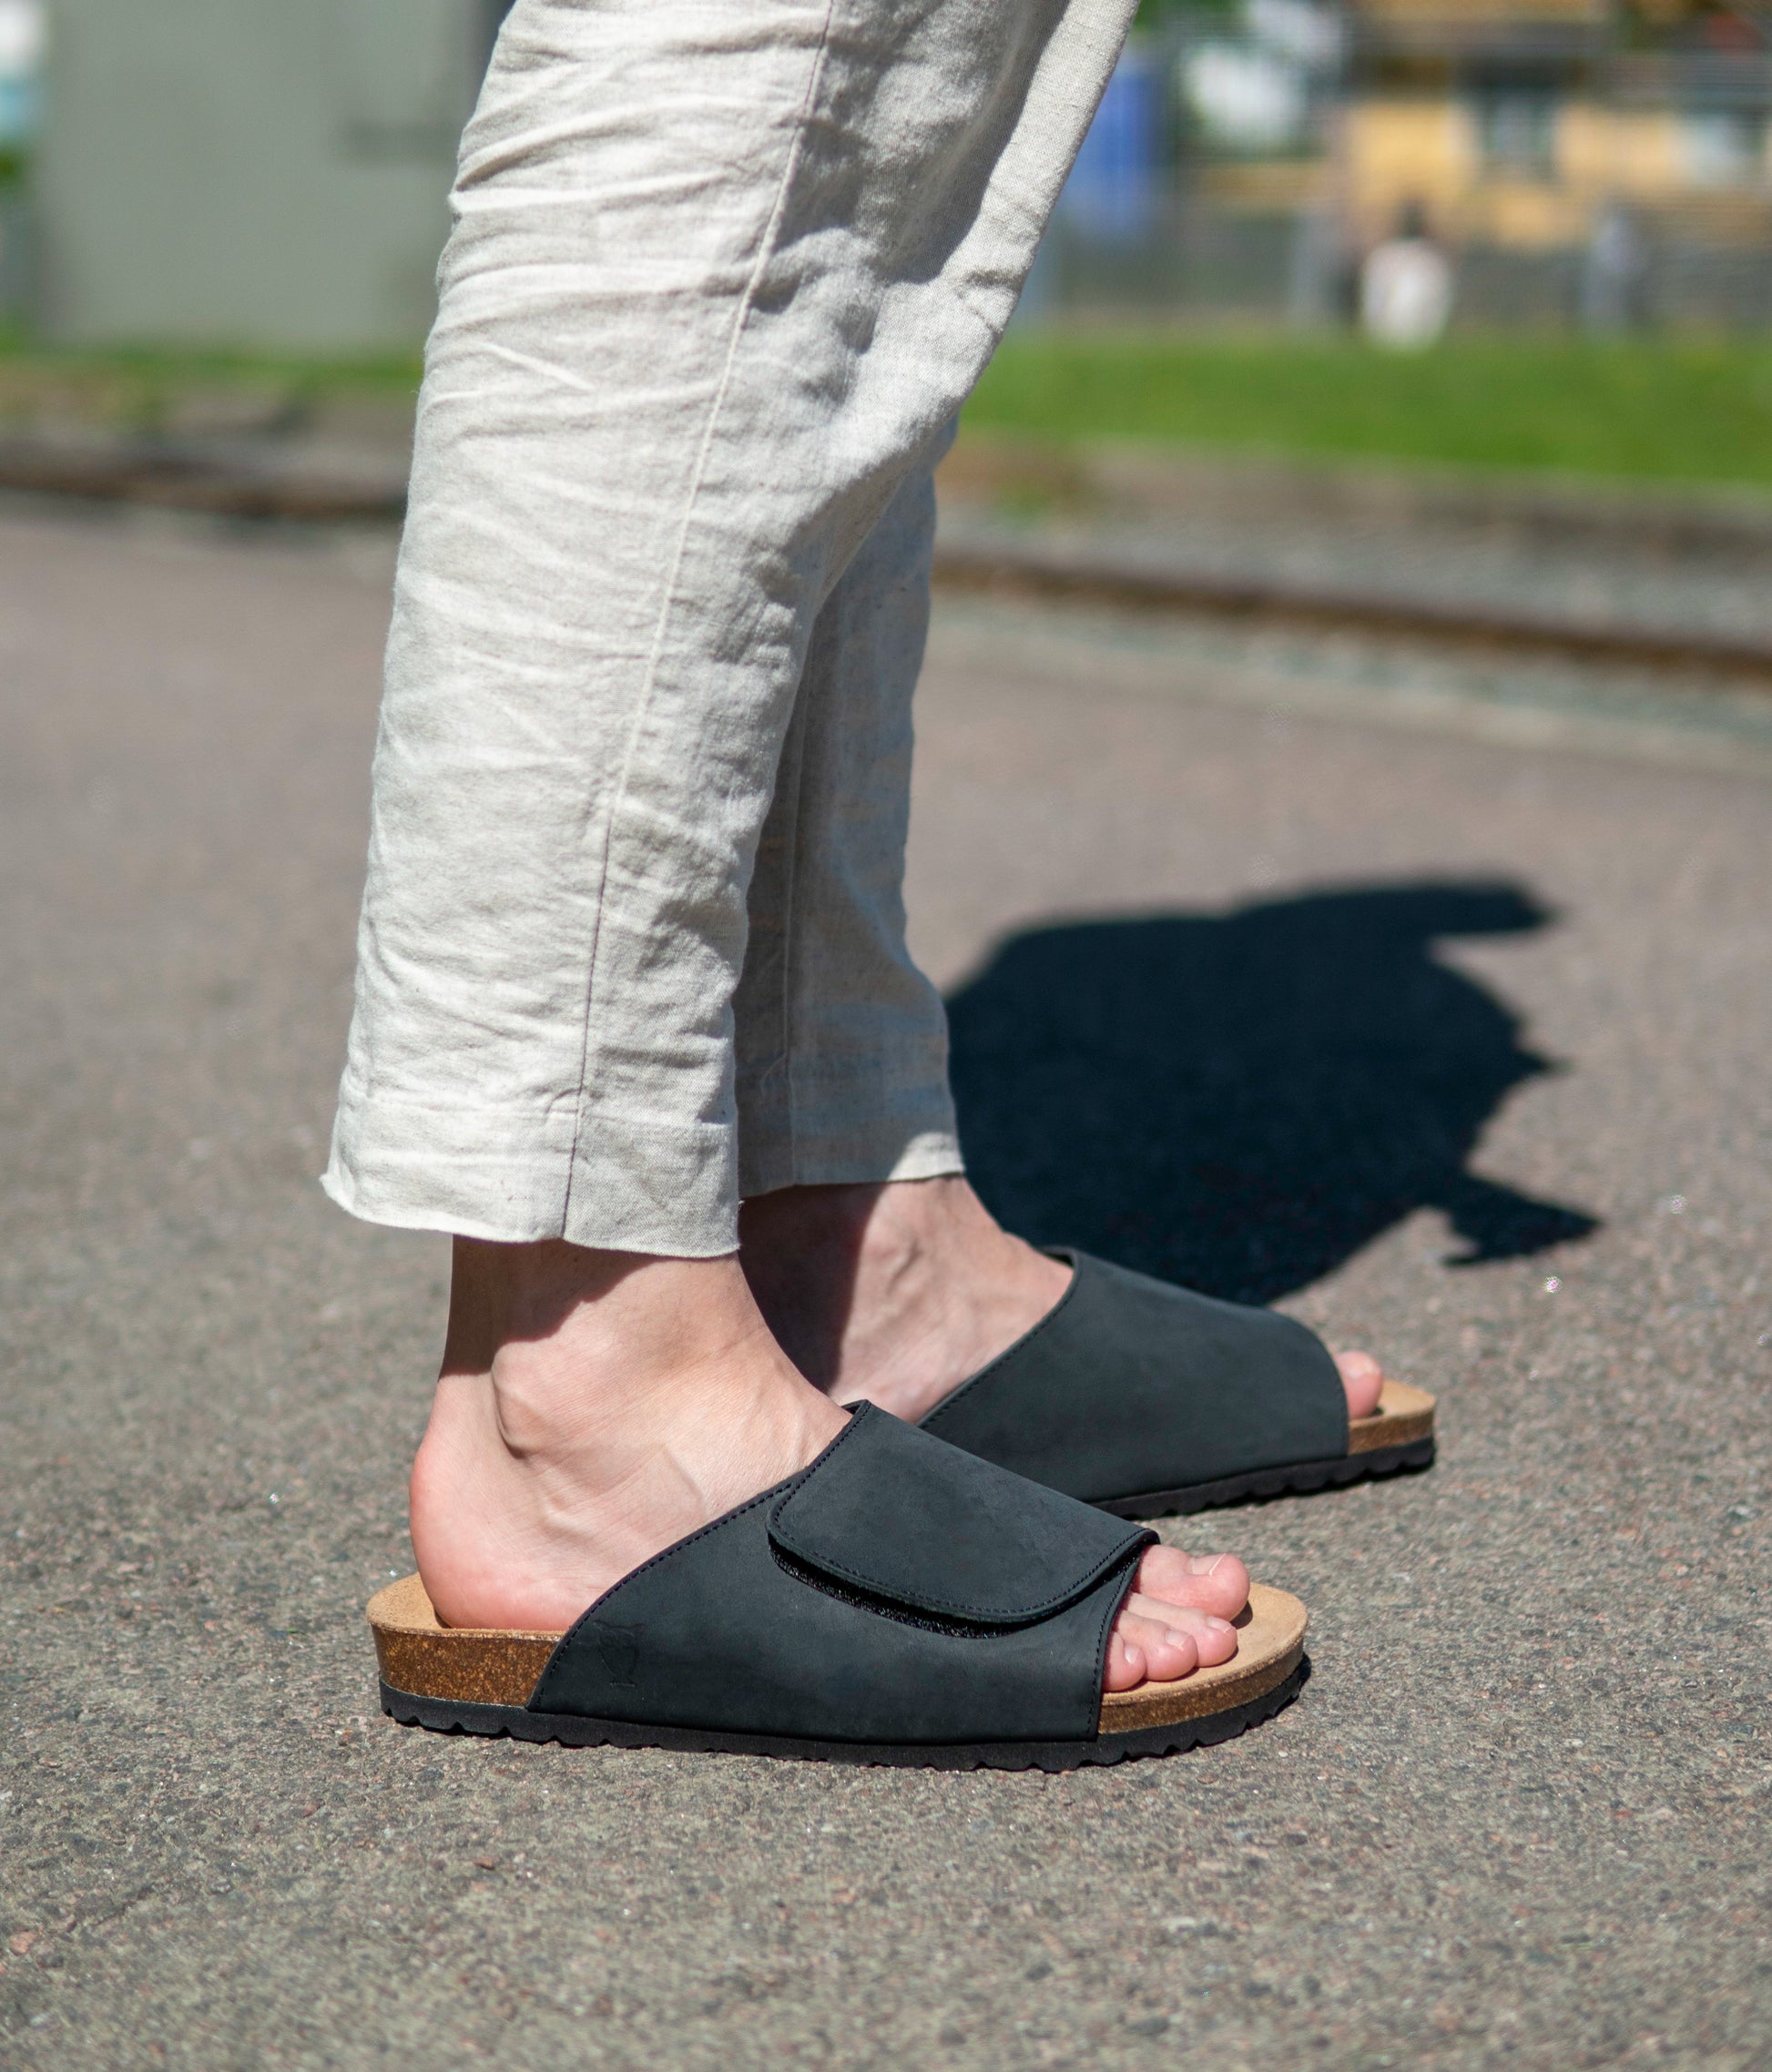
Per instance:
x=722, y=272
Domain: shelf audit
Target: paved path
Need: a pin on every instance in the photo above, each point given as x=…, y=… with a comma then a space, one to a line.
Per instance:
x=1459, y=1048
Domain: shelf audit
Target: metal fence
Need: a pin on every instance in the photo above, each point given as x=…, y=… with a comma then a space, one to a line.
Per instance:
x=1200, y=262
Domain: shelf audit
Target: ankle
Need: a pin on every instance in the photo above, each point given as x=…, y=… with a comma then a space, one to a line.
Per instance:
x=592, y=1410
x=634, y=1306
x=802, y=1250
x=895, y=1291
x=825, y=1263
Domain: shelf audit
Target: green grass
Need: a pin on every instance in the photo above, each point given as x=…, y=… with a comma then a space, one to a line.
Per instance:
x=178, y=367
x=140, y=389
x=1667, y=411
x=1694, y=412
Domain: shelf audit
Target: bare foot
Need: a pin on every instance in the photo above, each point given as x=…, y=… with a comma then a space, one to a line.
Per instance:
x=897, y=1293
x=595, y=1407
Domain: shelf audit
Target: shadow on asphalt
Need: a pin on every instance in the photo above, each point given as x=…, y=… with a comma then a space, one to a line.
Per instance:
x=1241, y=1102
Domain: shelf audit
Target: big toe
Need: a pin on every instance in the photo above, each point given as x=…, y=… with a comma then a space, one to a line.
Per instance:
x=1363, y=1379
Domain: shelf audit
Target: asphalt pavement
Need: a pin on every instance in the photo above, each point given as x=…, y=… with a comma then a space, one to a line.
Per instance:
x=1433, y=1006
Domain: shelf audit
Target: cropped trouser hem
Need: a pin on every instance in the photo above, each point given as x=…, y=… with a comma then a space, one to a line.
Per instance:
x=641, y=1188
x=634, y=1184
x=888, y=1151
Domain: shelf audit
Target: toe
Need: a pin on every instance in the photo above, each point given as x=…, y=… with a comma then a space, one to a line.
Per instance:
x=1219, y=1583
x=1363, y=1379
x=1213, y=1640
x=1169, y=1651
x=1125, y=1664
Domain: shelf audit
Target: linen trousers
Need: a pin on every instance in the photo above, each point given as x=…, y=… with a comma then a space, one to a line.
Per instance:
x=721, y=273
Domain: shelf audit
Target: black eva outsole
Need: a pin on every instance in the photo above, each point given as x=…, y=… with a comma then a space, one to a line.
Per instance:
x=442, y=1715
x=1299, y=1479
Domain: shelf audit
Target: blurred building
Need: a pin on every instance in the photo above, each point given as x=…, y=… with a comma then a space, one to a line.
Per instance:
x=252, y=172
x=1572, y=131
x=1581, y=161
x=275, y=172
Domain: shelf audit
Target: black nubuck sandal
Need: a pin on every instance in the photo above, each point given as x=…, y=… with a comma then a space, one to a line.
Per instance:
x=897, y=1601
x=1146, y=1400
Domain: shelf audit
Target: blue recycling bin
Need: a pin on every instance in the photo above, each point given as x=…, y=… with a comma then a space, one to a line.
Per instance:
x=1114, y=188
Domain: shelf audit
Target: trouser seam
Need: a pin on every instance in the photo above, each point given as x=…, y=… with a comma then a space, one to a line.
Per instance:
x=802, y=719
x=766, y=245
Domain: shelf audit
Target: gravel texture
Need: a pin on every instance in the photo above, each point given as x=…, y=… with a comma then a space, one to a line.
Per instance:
x=1457, y=1046
x=1619, y=560
x=1447, y=569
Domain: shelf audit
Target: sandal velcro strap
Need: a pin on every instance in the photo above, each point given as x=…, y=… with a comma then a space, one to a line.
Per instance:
x=896, y=1593
x=893, y=1512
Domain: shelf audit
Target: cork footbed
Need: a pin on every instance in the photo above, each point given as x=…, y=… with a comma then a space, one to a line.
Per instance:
x=420, y=1655
x=1403, y=1416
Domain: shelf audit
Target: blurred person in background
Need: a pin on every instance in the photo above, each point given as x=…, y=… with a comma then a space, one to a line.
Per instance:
x=1613, y=271
x=1406, y=285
